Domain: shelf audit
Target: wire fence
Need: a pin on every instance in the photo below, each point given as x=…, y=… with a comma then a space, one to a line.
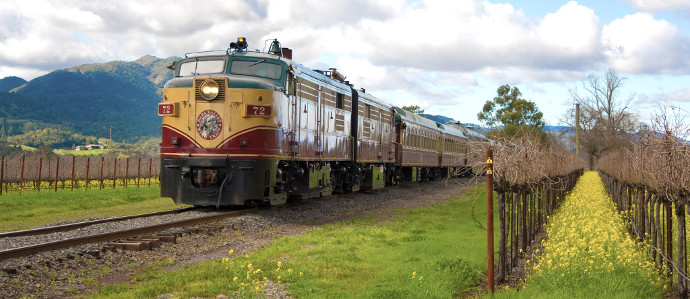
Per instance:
x=650, y=184
x=649, y=181
x=23, y=173
x=657, y=220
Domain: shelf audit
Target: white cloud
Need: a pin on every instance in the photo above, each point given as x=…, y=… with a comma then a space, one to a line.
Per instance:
x=641, y=44
x=48, y=35
x=469, y=36
x=463, y=36
x=429, y=52
x=657, y=5
x=573, y=30
x=652, y=102
x=681, y=95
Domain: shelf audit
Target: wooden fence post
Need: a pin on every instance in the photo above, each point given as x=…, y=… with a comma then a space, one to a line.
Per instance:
x=490, y=217
x=126, y=171
x=21, y=177
x=502, y=237
x=73, y=159
x=681, y=285
x=114, y=173
x=100, y=181
x=523, y=232
x=40, y=166
x=669, y=234
x=88, y=164
x=2, y=172
x=138, y=171
x=150, y=161
x=57, y=168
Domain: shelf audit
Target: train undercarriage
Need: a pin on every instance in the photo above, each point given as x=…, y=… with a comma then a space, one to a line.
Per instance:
x=232, y=182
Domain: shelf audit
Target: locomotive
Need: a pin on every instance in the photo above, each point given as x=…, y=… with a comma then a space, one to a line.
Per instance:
x=246, y=127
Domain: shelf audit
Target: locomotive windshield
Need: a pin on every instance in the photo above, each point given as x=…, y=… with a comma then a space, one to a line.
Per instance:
x=201, y=67
x=260, y=68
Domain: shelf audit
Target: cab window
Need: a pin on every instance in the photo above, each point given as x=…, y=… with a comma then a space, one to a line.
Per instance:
x=260, y=68
x=201, y=67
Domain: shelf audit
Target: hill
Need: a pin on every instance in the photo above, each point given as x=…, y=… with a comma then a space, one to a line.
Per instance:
x=559, y=129
x=438, y=118
x=11, y=82
x=90, y=98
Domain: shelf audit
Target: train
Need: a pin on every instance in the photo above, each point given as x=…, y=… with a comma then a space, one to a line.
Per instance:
x=246, y=128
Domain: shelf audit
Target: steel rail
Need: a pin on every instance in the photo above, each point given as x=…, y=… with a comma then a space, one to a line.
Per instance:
x=70, y=226
x=112, y=236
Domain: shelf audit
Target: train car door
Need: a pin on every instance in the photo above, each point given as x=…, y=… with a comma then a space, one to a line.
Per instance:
x=289, y=127
x=381, y=132
x=294, y=113
x=318, y=139
x=398, y=142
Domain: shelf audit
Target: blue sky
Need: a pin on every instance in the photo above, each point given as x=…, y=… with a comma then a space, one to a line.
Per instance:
x=447, y=56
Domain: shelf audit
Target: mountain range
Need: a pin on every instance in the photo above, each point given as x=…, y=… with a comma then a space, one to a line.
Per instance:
x=88, y=99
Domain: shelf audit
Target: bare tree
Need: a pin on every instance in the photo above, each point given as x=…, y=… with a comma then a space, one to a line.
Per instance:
x=605, y=120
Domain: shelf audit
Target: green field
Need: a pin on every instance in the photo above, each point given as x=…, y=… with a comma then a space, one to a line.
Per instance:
x=434, y=252
x=33, y=209
x=81, y=153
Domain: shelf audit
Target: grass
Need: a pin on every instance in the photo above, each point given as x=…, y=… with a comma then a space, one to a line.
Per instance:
x=81, y=153
x=33, y=209
x=436, y=251
x=590, y=253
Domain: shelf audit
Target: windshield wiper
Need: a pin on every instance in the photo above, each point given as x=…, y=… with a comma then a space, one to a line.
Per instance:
x=255, y=63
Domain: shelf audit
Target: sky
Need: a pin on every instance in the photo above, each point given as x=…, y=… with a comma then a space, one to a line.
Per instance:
x=449, y=57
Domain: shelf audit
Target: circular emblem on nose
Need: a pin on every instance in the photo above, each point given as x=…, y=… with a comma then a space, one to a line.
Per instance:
x=209, y=124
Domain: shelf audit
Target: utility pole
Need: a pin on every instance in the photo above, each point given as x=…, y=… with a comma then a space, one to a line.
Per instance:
x=110, y=134
x=577, y=129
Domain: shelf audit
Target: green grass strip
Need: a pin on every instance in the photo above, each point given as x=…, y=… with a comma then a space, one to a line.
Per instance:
x=589, y=253
x=432, y=252
x=33, y=209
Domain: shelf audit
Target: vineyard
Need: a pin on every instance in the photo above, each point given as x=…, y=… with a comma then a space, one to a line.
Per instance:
x=648, y=180
x=650, y=184
x=530, y=181
x=21, y=173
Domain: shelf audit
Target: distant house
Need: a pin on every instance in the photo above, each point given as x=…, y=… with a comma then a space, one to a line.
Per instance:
x=88, y=147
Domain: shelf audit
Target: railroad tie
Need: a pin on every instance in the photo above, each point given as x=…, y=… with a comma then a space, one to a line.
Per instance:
x=168, y=238
x=151, y=242
x=131, y=246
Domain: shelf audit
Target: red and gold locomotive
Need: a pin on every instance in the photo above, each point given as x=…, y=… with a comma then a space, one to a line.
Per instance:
x=246, y=128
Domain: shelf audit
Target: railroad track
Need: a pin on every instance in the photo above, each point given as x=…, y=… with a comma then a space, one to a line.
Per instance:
x=71, y=226
x=127, y=239
x=111, y=236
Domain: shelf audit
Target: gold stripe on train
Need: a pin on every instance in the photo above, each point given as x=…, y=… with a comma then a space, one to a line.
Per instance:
x=232, y=111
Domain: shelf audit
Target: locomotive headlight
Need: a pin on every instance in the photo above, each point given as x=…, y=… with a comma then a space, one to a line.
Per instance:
x=209, y=89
